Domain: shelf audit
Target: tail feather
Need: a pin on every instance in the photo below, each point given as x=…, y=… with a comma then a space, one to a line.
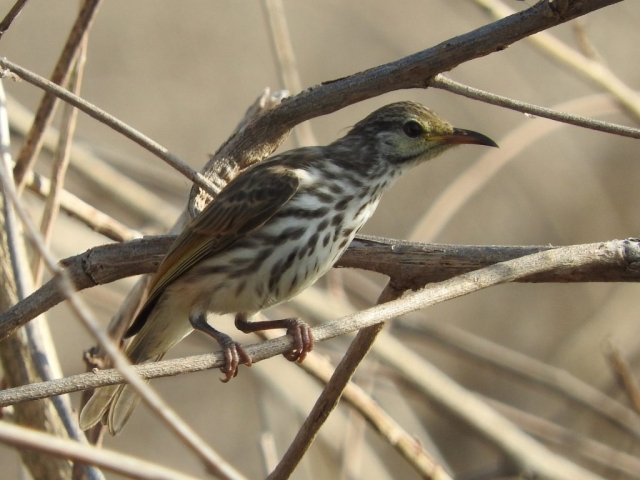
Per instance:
x=124, y=402
x=97, y=406
x=163, y=329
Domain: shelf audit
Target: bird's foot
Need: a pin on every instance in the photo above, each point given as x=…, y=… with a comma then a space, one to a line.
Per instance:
x=234, y=355
x=302, y=339
x=297, y=328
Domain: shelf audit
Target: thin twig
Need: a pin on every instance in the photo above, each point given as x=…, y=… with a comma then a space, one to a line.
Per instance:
x=32, y=144
x=326, y=402
x=590, y=449
x=97, y=174
x=96, y=220
x=330, y=396
x=466, y=185
x=286, y=61
x=11, y=15
x=444, y=83
x=620, y=365
x=60, y=162
x=523, y=366
x=590, y=69
x=111, y=121
x=589, y=50
x=27, y=438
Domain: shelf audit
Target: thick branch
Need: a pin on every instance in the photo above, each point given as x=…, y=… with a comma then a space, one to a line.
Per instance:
x=410, y=266
x=265, y=133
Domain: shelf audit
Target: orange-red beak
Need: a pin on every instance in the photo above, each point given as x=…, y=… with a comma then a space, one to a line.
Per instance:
x=461, y=136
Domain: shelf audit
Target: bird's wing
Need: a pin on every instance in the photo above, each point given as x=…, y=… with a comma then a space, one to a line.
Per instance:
x=244, y=205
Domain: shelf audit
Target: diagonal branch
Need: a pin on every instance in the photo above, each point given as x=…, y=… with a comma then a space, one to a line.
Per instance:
x=444, y=83
x=267, y=131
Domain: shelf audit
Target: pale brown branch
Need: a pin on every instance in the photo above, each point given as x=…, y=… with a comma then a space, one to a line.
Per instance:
x=286, y=61
x=93, y=218
x=624, y=371
x=97, y=174
x=539, y=373
x=398, y=438
x=444, y=83
x=570, y=440
x=326, y=402
x=62, y=71
x=29, y=439
x=587, y=68
x=465, y=406
x=110, y=120
x=410, y=265
x=558, y=259
x=60, y=162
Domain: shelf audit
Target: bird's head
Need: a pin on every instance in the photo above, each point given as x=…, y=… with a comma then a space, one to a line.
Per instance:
x=409, y=133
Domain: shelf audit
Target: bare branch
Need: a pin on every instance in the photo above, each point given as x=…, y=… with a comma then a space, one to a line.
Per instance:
x=572, y=441
x=559, y=259
x=11, y=16
x=109, y=120
x=267, y=131
x=410, y=265
x=286, y=60
x=540, y=374
x=33, y=142
x=92, y=217
x=98, y=175
x=590, y=69
x=444, y=83
x=60, y=162
x=29, y=439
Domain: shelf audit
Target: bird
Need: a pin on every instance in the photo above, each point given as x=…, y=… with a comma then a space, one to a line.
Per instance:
x=272, y=232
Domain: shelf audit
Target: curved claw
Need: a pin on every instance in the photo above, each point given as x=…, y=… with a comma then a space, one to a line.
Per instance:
x=234, y=354
x=302, y=340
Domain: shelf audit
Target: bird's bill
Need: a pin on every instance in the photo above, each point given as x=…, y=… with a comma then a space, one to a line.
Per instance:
x=461, y=136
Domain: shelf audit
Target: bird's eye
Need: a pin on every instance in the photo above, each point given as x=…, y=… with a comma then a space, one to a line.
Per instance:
x=413, y=129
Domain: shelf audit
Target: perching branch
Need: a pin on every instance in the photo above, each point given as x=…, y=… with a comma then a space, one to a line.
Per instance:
x=522, y=448
x=561, y=259
x=410, y=265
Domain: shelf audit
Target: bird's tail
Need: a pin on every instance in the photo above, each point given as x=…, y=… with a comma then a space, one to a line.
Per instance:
x=116, y=403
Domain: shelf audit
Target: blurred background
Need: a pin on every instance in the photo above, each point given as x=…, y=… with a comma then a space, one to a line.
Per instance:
x=184, y=73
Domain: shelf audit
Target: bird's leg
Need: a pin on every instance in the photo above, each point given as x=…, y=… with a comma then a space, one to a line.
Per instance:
x=234, y=354
x=298, y=329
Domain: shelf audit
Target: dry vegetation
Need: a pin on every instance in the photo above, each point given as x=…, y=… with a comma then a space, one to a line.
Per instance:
x=536, y=377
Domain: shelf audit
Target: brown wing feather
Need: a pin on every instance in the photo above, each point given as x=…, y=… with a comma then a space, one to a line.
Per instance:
x=244, y=205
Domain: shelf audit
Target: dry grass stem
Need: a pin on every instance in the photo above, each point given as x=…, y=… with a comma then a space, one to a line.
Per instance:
x=61, y=73
x=132, y=467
